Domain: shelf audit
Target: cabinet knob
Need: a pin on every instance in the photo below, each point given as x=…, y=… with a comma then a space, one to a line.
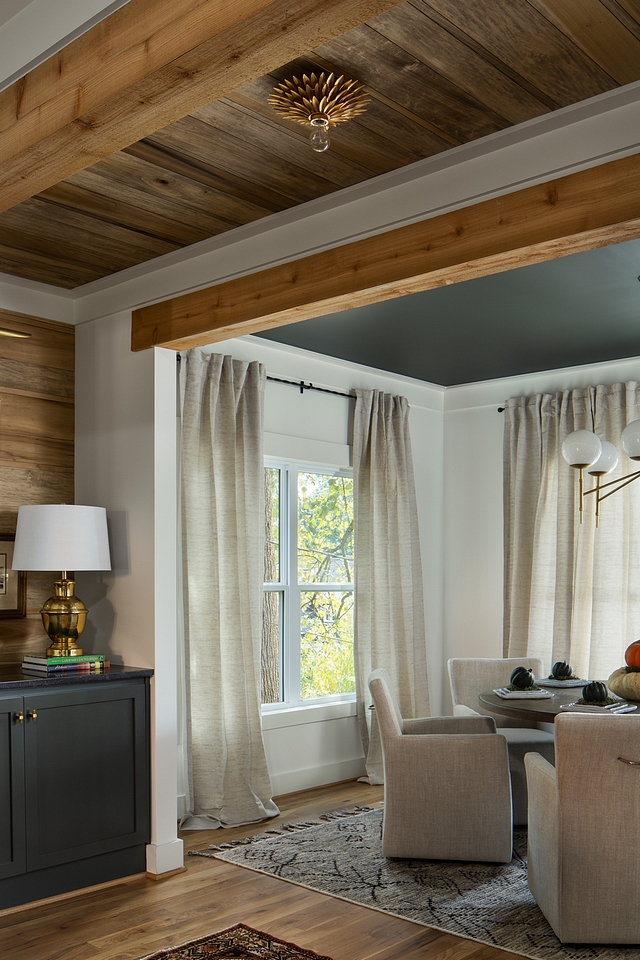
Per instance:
x=32, y=714
x=19, y=717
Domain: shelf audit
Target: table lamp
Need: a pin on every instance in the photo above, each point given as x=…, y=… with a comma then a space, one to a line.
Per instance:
x=66, y=537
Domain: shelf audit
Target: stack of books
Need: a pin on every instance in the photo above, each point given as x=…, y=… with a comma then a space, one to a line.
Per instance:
x=50, y=666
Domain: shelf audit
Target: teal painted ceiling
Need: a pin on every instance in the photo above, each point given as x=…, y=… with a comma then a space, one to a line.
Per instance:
x=579, y=309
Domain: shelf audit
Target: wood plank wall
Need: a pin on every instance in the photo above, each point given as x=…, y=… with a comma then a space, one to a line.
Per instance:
x=36, y=448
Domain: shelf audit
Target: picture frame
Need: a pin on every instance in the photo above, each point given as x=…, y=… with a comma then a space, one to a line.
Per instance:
x=13, y=583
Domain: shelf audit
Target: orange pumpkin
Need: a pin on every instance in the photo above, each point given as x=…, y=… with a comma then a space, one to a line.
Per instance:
x=632, y=655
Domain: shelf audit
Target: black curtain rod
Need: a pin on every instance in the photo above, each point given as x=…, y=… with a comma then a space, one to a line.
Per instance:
x=309, y=386
x=302, y=386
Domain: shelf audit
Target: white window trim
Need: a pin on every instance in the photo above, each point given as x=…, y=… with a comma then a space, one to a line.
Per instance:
x=284, y=716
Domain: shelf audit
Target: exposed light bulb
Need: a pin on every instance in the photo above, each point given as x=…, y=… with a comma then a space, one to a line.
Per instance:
x=581, y=448
x=320, y=135
x=606, y=462
x=631, y=440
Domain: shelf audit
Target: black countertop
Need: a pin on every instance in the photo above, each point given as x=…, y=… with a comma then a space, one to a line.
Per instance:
x=12, y=677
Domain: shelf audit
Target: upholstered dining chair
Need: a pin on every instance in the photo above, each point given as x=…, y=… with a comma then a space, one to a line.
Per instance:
x=471, y=676
x=584, y=829
x=447, y=793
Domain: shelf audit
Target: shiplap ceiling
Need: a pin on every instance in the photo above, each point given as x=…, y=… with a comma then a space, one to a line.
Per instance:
x=439, y=73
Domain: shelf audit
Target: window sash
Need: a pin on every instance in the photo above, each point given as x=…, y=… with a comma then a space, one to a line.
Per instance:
x=291, y=591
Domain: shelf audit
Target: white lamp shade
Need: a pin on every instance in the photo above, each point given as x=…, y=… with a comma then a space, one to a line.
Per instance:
x=631, y=440
x=606, y=462
x=61, y=536
x=581, y=448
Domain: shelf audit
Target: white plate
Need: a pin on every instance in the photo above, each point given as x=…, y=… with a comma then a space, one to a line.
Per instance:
x=505, y=694
x=594, y=708
x=552, y=682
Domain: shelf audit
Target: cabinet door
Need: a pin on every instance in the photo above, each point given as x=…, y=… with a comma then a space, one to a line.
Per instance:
x=87, y=776
x=12, y=849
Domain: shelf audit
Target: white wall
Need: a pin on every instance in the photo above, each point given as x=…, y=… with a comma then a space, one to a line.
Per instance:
x=125, y=461
x=473, y=430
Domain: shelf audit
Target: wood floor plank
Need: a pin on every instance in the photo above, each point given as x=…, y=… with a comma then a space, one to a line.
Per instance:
x=128, y=920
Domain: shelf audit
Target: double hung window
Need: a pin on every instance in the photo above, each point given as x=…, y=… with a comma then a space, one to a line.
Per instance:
x=307, y=636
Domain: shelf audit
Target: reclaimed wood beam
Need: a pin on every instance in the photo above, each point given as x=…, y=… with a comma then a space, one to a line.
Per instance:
x=148, y=64
x=582, y=211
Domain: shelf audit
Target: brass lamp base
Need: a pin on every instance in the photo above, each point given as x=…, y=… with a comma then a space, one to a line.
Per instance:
x=64, y=617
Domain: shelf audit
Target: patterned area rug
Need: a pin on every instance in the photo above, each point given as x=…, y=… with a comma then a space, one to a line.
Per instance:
x=236, y=943
x=490, y=903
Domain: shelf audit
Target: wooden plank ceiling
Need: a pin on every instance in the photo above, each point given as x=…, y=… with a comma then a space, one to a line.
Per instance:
x=439, y=73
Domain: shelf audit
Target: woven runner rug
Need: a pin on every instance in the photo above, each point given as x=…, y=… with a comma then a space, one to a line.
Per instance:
x=236, y=943
x=489, y=903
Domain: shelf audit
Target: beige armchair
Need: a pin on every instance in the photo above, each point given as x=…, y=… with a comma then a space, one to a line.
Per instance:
x=584, y=829
x=447, y=792
x=469, y=677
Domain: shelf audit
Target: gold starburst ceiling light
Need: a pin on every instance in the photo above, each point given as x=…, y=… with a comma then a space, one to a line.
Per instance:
x=321, y=102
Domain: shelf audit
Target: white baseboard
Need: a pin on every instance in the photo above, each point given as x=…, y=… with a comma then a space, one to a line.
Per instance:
x=294, y=780
x=316, y=776
x=165, y=857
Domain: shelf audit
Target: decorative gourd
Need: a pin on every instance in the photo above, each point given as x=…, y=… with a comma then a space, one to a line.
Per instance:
x=625, y=683
x=595, y=692
x=561, y=670
x=521, y=678
x=632, y=655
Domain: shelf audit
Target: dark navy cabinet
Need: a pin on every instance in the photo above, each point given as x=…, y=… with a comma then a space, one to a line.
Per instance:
x=74, y=783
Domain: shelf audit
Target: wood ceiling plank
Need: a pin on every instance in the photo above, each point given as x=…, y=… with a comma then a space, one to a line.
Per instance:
x=46, y=242
x=126, y=205
x=441, y=137
x=528, y=43
x=592, y=208
x=630, y=7
x=381, y=118
x=363, y=153
x=621, y=10
x=204, y=49
x=596, y=31
x=262, y=134
x=198, y=138
x=190, y=198
x=360, y=148
x=422, y=37
x=97, y=243
x=56, y=268
x=485, y=54
x=218, y=182
x=378, y=63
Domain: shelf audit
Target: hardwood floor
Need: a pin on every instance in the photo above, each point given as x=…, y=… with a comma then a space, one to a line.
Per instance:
x=129, y=920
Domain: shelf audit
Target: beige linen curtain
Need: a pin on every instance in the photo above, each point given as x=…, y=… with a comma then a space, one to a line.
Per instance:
x=572, y=592
x=389, y=602
x=223, y=545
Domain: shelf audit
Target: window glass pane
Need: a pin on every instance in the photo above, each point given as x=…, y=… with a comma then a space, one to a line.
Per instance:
x=271, y=659
x=326, y=643
x=271, y=525
x=325, y=528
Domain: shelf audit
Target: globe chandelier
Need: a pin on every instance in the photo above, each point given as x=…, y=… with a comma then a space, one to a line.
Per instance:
x=320, y=102
x=585, y=450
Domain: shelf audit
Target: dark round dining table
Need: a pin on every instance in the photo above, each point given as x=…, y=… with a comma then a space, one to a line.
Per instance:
x=535, y=711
